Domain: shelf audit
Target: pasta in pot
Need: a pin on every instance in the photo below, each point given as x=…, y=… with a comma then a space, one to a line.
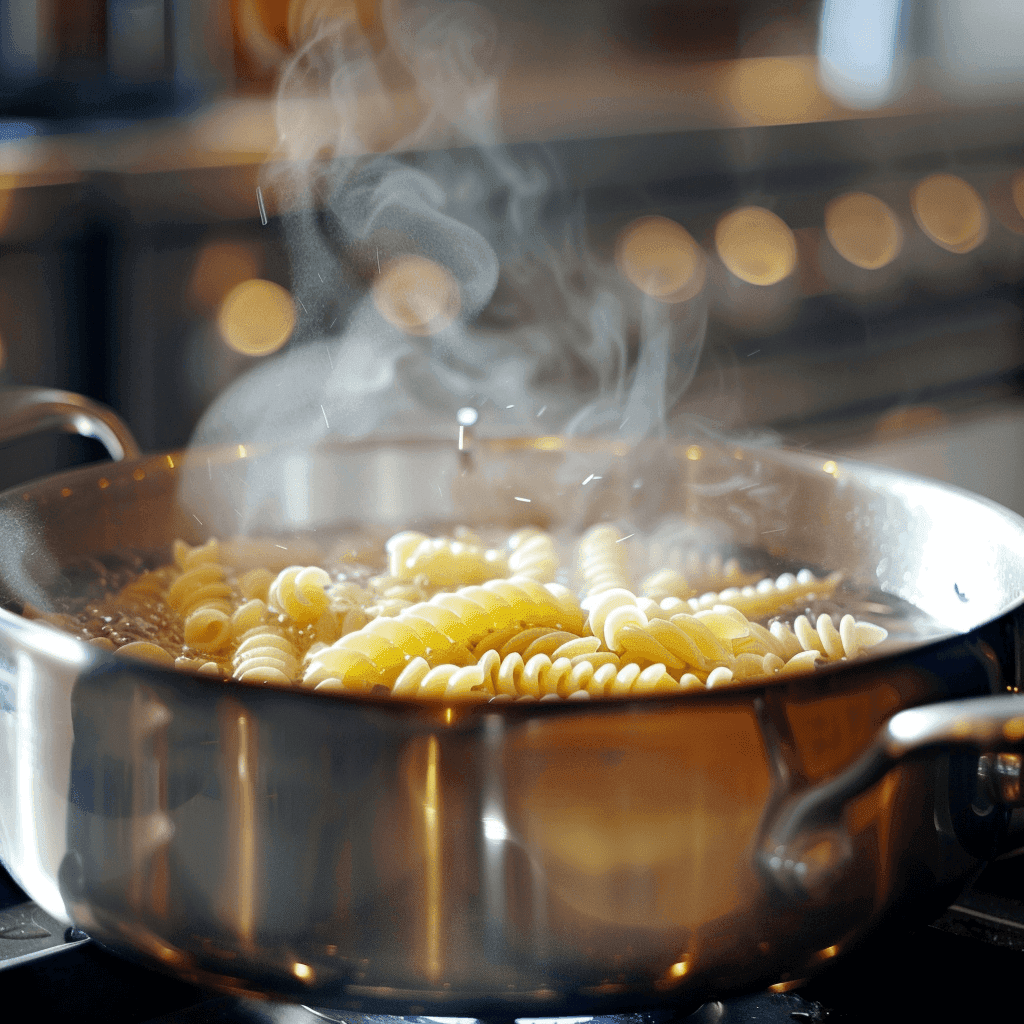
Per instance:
x=455, y=619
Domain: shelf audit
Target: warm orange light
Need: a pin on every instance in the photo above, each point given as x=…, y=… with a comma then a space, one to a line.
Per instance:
x=659, y=257
x=1017, y=191
x=219, y=267
x=432, y=849
x=776, y=90
x=830, y=467
x=302, y=971
x=694, y=452
x=756, y=245
x=256, y=318
x=950, y=212
x=677, y=970
x=863, y=230
x=912, y=419
x=1013, y=730
x=787, y=986
x=417, y=295
x=8, y=185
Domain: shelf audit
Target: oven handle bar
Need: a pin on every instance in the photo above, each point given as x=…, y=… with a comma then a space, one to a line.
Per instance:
x=33, y=410
x=807, y=845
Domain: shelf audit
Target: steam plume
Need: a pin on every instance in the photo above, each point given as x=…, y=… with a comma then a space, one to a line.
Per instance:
x=389, y=157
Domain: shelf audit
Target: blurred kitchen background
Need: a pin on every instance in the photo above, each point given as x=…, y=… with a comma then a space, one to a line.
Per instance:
x=841, y=180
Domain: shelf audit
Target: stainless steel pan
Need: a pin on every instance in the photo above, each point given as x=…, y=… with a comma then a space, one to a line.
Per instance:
x=514, y=859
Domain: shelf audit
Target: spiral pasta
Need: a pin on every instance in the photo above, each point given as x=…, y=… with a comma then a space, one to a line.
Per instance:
x=265, y=655
x=201, y=596
x=300, y=592
x=769, y=596
x=697, y=573
x=434, y=629
x=533, y=554
x=602, y=560
x=456, y=618
x=442, y=561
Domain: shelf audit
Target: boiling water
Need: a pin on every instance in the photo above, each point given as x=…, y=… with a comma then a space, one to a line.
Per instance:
x=89, y=607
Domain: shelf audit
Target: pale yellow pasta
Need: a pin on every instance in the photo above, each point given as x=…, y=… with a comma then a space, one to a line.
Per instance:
x=696, y=630
x=824, y=639
x=674, y=638
x=533, y=554
x=346, y=594
x=666, y=583
x=256, y=583
x=200, y=665
x=578, y=647
x=603, y=561
x=442, y=561
x=149, y=587
x=446, y=620
x=636, y=644
x=300, y=592
x=248, y=616
x=600, y=606
x=187, y=556
x=145, y=651
x=202, y=597
x=265, y=655
x=769, y=596
x=435, y=629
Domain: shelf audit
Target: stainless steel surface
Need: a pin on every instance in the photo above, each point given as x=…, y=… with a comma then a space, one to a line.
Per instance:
x=28, y=410
x=421, y=857
x=808, y=848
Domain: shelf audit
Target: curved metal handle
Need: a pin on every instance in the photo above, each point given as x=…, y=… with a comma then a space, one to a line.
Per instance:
x=806, y=845
x=29, y=410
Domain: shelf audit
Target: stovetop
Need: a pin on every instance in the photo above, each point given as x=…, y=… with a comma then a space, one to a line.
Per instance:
x=966, y=966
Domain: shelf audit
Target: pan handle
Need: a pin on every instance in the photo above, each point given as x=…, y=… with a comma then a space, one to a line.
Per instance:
x=806, y=845
x=32, y=410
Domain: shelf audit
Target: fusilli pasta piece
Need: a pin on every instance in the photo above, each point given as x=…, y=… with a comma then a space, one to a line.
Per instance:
x=300, y=592
x=533, y=554
x=265, y=655
x=436, y=628
x=442, y=561
x=769, y=596
x=603, y=561
x=201, y=596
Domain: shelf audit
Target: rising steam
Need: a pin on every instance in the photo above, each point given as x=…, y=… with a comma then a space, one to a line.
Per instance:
x=435, y=267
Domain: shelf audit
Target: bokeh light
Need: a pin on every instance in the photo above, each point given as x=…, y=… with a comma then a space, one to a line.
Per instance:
x=863, y=230
x=8, y=187
x=417, y=295
x=256, y=317
x=756, y=245
x=776, y=90
x=911, y=419
x=659, y=257
x=219, y=267
x=1005, y=199
x=950, y=212
x=1017, y=191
